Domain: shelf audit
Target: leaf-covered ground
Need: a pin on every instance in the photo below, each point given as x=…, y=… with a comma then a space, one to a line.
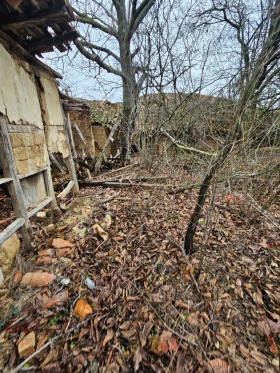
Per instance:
x=123, y=297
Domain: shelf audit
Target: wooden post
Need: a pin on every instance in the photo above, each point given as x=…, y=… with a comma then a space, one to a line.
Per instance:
x=87, y=152
x=102, y=156
x=70, y=133
x=14, y=187
x=71, y=164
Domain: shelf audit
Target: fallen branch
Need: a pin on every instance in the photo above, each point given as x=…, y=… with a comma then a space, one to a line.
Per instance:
x=109, y=198
x=185, y=147
x=34, y=354
x=49, y=343
x=119, y=180
x=114, y=184
x=183, y=189
x=221, y=180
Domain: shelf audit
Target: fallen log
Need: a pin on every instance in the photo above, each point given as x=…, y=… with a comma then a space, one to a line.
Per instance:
x=114, y=184
x=118, y=170
x=119, y=179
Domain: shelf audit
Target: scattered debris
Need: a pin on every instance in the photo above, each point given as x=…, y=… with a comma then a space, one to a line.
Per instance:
x=123, y=297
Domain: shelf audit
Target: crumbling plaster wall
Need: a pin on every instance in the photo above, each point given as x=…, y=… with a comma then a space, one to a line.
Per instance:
x=29, y=97
x=30, y=102
x=18, y=93
x=20, y=103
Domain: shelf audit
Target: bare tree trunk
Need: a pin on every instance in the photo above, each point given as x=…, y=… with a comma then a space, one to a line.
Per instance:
x=129, y=103
x=230, y=141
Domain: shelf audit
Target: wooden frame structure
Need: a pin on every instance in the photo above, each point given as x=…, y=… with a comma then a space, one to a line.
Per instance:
x=12, y=179
x=29, y=28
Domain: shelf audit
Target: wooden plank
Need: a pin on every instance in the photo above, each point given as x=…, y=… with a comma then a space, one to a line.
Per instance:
x=71, y=138
x=30, y=19
x=39, y=207
x=39, y=46
x=80, y=133
x=5, y=180
x=16, y=48
x=102, y=156
x=120, y=170
x=71, y=165
x=15, y=190
x=56, y=162
x=18, y=128
x=65, y=191
x=31, y=173
x=49, y=186
x=14, y=4
x=82, y=138
x=11, y=229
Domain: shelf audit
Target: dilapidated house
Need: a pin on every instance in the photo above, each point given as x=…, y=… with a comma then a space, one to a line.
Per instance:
x=32, y=123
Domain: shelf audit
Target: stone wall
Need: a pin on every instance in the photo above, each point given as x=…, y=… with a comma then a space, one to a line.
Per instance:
x=100, y=135
x=83, y=121
x=104, y=112
x=29, y=151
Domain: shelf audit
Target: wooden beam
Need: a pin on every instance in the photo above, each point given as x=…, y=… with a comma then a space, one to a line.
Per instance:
x=40, y=206
x=82, y=138
x=65, y=191
x=56, y=163
x=22, y=20
x=31, y=173
x=71, y=138
x=18, y=128
x=15, y=48
x=71, y=164
x=12, y=228
x=15, y=190
x=39, y=46
x=14, y=4
x=102, y=156
x=5, y=180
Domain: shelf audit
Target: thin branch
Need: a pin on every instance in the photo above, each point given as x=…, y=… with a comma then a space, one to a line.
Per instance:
x=101, y=49
x=95, y=58
x=85, y=19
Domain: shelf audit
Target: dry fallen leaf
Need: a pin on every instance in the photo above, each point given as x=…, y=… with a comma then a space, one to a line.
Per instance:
x=108, y=337
x=37, y=279
x=128, y=333
x=59, y=243
x=82, y=309
x=57, y=300
x=218, y=366
x=138, y=357
x=272, y=346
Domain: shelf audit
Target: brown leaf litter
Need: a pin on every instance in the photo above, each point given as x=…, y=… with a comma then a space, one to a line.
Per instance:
x=122, y=297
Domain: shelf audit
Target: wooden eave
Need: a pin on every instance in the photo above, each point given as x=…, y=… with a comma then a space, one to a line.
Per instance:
x=38, y=26
x=70, y=103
